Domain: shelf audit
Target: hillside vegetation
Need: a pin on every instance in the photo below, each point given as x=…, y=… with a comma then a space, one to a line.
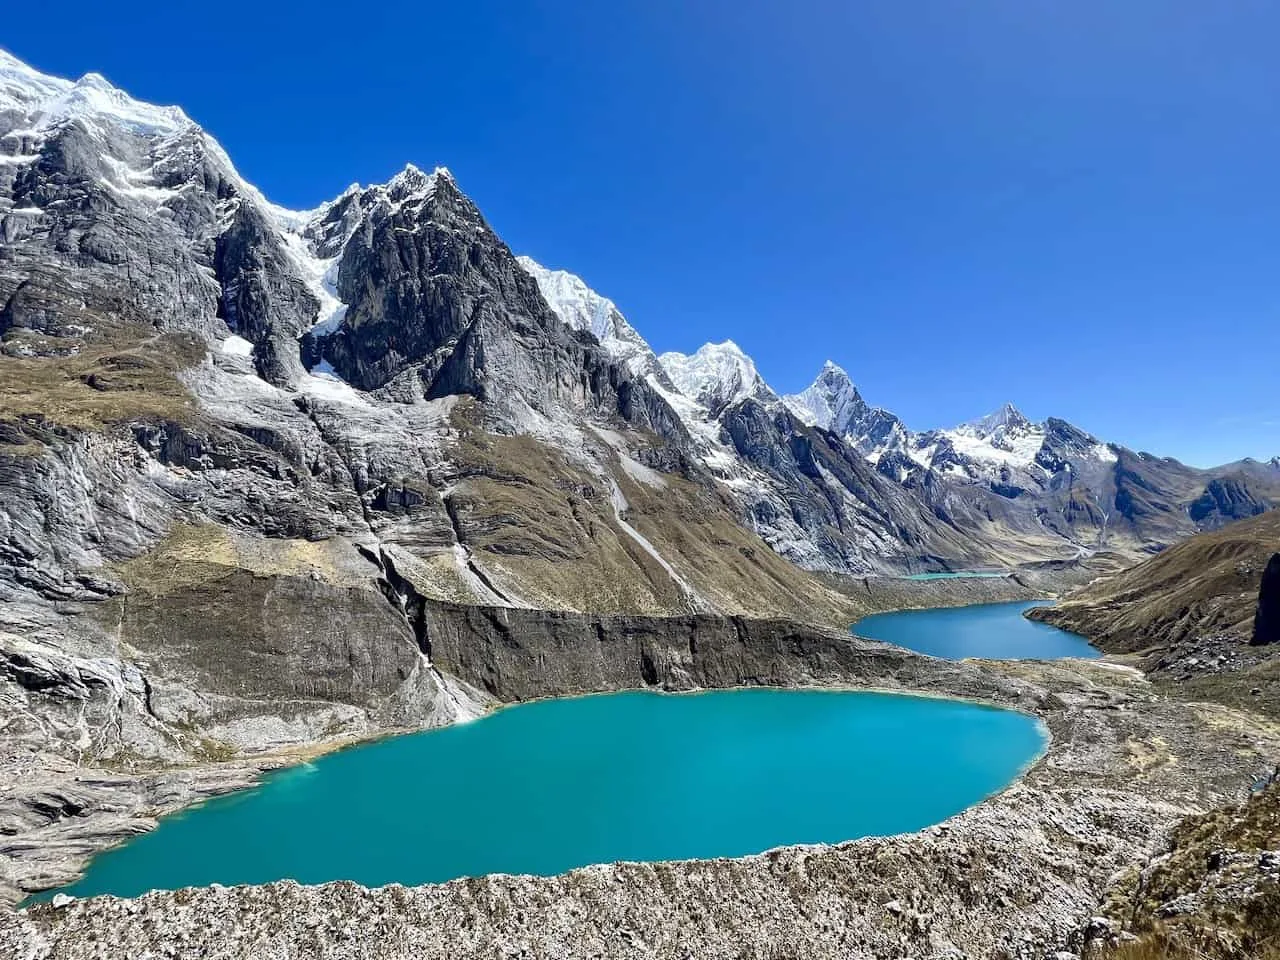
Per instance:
x=1186, y=616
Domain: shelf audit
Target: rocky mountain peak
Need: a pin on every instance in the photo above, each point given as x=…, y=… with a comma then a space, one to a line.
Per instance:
x=1007, y=418
x=831, y=402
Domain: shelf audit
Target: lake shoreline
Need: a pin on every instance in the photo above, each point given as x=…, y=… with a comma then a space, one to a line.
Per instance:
x=1064, y=695
x=866, y=790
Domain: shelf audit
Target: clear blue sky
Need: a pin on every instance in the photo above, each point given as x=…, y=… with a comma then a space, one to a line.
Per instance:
x=1072, y=205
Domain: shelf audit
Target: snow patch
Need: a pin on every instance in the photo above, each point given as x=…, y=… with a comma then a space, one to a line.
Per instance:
x=633, y=468
x=320, y=275
x=323, y=382
x=236, y=346
x=135, y=183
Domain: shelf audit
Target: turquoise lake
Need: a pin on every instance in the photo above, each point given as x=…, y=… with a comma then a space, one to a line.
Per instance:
x=957, y=575
x=997, y=631
x=544, y=787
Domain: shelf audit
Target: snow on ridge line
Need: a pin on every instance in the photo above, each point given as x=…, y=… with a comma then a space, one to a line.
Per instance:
x=572, y=300
x=717, y=374
x=47, y=100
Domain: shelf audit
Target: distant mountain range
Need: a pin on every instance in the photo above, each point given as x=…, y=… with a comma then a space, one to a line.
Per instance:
x=273, y=478
x=1021, y=490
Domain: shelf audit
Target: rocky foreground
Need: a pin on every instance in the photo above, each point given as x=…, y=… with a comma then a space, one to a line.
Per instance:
x=1020, y=875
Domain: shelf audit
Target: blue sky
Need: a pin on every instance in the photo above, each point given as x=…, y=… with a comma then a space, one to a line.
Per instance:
x=1074, y=206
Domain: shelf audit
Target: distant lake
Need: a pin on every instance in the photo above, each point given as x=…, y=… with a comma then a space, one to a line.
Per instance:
x=997, y=631
x=957, y=575
x=544, y=787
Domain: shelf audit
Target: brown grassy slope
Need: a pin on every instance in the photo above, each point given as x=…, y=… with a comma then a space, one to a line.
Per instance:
x=115, y=373
x=1185, y=616
x=1206, y=585
x=544, y=529
x=1214, y=896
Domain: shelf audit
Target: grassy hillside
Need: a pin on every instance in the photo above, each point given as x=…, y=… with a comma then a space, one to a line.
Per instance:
x=1185, y=616
x=1215, y=895
x=1205, y=585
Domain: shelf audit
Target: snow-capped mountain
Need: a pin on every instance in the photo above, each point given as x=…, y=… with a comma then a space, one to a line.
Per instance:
x=44, y=102
x=334, y=372
x=1005, y=436
x=792, y=489
x=717, y=376
x=1000, y=475
x=971, y=451
x=583, y=309
x=833, y=403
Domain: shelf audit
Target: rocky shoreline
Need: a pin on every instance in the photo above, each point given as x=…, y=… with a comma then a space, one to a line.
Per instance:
x=1019, y=875
x=94, y=750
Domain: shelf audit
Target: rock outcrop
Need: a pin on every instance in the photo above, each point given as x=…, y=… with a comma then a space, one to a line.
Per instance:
x=1266, y=617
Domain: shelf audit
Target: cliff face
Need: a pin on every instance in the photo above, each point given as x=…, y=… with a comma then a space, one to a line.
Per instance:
x=1266, y=616
x=523, y=654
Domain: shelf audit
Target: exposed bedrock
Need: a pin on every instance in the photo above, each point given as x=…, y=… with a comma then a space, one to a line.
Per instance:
x=515, y=654
x=1266, y=619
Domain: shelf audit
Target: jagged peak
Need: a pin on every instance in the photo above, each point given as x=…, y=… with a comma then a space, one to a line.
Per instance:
x=833, y=379
x=412, y=180
x=831, y=402
x=1007, y=417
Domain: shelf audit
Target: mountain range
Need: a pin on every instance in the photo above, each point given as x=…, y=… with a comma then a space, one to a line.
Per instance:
x=1020, y=490
x=379, y=384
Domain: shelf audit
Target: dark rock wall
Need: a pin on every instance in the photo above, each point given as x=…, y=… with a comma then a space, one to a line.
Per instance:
x=516, y=654
x=1266, y=621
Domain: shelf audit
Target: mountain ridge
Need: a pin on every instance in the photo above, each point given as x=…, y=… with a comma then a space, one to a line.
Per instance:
x=281, y=480
x=388, y=304
x=1077, y=478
